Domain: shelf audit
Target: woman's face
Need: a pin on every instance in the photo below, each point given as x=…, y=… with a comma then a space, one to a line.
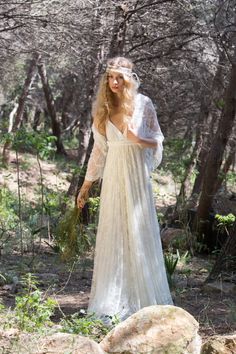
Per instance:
x=116, y=82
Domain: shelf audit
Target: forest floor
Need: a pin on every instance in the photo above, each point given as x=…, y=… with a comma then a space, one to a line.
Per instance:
x=215, y=310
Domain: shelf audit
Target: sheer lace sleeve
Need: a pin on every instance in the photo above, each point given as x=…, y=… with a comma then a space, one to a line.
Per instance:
x=152, y=130
x=97, y=158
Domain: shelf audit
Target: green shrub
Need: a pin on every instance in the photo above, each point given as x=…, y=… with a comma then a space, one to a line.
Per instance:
x=87, y=325
x=33, y=310
x=225, y=221
x=8, y=218
x=176, y=157
x=231, y=179
x=171, y=261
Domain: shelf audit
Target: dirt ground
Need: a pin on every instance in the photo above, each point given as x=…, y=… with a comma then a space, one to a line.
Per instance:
x=215, y=310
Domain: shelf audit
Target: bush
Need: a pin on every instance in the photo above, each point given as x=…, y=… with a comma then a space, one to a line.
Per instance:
x=33, y=310
x=85, y=325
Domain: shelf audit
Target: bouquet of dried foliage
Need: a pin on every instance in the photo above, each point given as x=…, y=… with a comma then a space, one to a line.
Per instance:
x=71, y=236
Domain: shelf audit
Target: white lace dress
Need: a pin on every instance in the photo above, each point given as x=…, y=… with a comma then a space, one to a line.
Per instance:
x=129, y=270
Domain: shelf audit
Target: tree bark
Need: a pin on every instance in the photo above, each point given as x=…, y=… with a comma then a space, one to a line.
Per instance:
x=228, y=162
x=215, y=155
x=226, y=261
x=207, y=120
x=77, y=179
x=85, y=128
x=11, y=117
x=119, y=31
x=67, y=99
x=36, y=119
x=202, y=119
x=15, y=124
x=56, y=129
x=181, y=198
x=28, y=82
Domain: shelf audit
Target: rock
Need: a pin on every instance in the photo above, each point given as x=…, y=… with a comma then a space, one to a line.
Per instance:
x=58, y=343
x=220, y=287
x=9, y=333
x=8, y=287
x=170, y=236
x=155, y=329
x=61, y=343
x=220, y=345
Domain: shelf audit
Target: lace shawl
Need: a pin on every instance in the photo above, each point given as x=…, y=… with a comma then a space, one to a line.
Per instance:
x=150, y=128
x=97, y=158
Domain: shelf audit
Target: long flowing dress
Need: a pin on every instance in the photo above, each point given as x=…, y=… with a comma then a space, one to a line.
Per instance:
x=129, y=271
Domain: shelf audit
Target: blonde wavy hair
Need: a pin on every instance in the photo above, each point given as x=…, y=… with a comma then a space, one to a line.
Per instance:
x=105, y=98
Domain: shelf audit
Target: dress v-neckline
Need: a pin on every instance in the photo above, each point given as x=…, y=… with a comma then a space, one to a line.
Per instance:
x=119, y=131
x=109, y=120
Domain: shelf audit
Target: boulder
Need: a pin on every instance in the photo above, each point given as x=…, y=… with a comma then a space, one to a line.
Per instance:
x=61, y=343
x=58, y=343
x=155, y=330
x=220, y=345
x=172, y=236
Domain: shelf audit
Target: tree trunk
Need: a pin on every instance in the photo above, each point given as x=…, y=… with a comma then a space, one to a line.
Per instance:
x=11, y=117
x=56, y=130
x=28, y=82
x=67, y=99
x=206, y=127
x=226, y=261
x=36, y=119
x=215, y=155
x=202, y=118
x=200, y=166
x=181, y=198
x=25, y=118
x=77, y=179
x=14, y=125
x=85, y=142
x=119, y=32
x=228, y=162
x=85, y=131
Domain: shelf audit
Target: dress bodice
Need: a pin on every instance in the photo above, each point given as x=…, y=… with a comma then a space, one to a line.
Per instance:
x=145, y=124
x=114, y=135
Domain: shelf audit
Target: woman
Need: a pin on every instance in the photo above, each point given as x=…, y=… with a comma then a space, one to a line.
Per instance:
x=129, y=270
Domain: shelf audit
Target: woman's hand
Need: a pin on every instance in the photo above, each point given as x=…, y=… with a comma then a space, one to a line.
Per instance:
x=83, y=194
x=143, y=142
x=82, y=198
x=131, y=134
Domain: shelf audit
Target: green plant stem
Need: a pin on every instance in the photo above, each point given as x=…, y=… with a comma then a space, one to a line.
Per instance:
x=42, y=199
x=19, y=202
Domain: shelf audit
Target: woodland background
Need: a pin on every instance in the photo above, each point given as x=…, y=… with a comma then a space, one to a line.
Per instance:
x=52, y=54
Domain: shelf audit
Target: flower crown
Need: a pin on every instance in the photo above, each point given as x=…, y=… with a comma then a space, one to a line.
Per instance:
x=123, y=70
x=119, y=69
